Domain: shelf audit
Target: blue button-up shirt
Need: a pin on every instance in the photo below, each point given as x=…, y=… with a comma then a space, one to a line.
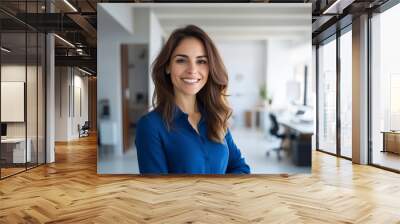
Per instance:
x=182, y=150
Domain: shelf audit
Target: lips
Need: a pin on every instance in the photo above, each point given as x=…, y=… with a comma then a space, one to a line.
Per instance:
x=190, y=80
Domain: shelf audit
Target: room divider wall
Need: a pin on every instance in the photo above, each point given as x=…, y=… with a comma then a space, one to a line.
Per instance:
x=22, y=77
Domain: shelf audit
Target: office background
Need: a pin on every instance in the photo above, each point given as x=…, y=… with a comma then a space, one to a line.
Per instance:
x=266, y=50
x=332, y=75
x=340, y=189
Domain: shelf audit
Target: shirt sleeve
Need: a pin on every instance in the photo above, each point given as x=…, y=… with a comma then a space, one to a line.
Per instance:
x=236, y=163
x=151, y=156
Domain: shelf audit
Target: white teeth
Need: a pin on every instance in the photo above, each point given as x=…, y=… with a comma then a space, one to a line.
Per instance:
x=191, y=80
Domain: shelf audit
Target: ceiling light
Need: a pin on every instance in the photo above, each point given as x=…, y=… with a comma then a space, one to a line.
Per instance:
x=337, y=7
x=79, y=51
x=84, y=71
x=70, y=5
x=65, y=41
x=5, y=49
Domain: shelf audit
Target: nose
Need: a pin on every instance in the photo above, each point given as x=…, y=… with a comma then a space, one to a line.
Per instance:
x=192, y=67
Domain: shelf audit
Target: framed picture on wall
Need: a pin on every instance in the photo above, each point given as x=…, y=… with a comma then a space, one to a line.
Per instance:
x=12, y=101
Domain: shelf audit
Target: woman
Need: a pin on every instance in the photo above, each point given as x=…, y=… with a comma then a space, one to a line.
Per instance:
x=187, y=132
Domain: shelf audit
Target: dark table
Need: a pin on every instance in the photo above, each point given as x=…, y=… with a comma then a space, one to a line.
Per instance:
x=300, y=141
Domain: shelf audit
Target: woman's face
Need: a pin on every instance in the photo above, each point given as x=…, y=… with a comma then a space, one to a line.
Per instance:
x=189, y=67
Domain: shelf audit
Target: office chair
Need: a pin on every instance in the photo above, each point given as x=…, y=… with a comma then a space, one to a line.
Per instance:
x=274, y=130
x=84, y=130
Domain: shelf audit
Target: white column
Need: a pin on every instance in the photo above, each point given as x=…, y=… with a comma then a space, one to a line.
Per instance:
x=50, y=100
x=360, y=90
x=312, y=75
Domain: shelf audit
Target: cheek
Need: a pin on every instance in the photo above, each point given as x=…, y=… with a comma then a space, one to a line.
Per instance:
x=206, y=75
x=177, y=70
x=174, y=78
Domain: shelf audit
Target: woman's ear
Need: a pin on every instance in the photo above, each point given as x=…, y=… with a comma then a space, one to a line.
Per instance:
x=167, y=71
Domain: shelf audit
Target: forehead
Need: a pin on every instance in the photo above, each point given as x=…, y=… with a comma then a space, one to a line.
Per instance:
x=190, y=46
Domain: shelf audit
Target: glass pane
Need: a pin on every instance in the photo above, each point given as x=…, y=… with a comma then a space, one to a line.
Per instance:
x=327, y=97
x=386, y=89
x=31, y=98
x=14, y=6
x=41, y=98
x=13, y=87
x=8, y=24
x=32, y=6
x=346, y=94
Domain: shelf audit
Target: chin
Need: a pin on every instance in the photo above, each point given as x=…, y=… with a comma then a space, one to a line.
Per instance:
x=191, y=92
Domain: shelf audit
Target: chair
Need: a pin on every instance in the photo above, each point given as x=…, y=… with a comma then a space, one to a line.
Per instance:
x=84, y=130
x=274, y=130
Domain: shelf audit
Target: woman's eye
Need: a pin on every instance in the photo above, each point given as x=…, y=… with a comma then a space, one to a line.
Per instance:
x=202, y=62
x=180, y=60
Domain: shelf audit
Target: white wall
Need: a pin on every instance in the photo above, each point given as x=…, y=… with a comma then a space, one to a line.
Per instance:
x=122, y=14
x=33, y=125
x=66, y=121
x=79, y=117
x=80, y=103
x=61, y=103
x=16, y=72
x=301, y=56
x=155, y=45
x=245, y=63
x=279, y=71
x=253, y=63
x=111, y=34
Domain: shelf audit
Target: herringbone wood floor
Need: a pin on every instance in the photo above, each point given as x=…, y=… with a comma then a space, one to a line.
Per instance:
x=70, y=191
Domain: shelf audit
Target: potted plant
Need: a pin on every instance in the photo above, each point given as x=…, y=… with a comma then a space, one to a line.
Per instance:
x=264, y=95
x=266, y=100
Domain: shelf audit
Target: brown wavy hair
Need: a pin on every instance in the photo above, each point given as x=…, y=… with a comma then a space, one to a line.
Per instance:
x=211, y=98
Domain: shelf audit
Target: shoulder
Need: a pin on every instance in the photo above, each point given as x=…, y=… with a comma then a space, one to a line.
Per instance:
x=150, y=120
x=229, y=138
x=228, y=134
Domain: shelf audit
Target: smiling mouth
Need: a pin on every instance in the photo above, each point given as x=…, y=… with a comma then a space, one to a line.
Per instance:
x=190, y=81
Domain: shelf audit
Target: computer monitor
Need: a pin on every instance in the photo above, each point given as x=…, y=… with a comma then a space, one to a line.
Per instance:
x=3, y=129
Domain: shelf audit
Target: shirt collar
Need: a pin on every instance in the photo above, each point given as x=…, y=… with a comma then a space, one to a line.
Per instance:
x=178, y=113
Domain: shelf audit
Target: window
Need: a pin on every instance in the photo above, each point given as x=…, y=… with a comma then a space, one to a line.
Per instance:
x=22, y=78
x=346, y=94
x=385, y=89
x=327, y=96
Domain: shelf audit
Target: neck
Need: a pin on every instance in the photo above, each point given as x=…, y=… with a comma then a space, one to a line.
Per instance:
x=186, y=103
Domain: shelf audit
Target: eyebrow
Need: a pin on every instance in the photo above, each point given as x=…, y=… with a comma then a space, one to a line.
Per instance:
x=185, y=56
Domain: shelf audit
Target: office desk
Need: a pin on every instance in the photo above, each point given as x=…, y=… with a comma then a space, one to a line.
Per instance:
x=301, y=144
x=391, y=141
x=13, y=150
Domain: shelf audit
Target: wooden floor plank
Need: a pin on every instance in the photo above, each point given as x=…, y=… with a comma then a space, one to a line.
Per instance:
x=70, y=191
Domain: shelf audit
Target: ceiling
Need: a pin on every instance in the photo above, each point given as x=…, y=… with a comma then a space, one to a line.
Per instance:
x=76, y=22
x=250, y=22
